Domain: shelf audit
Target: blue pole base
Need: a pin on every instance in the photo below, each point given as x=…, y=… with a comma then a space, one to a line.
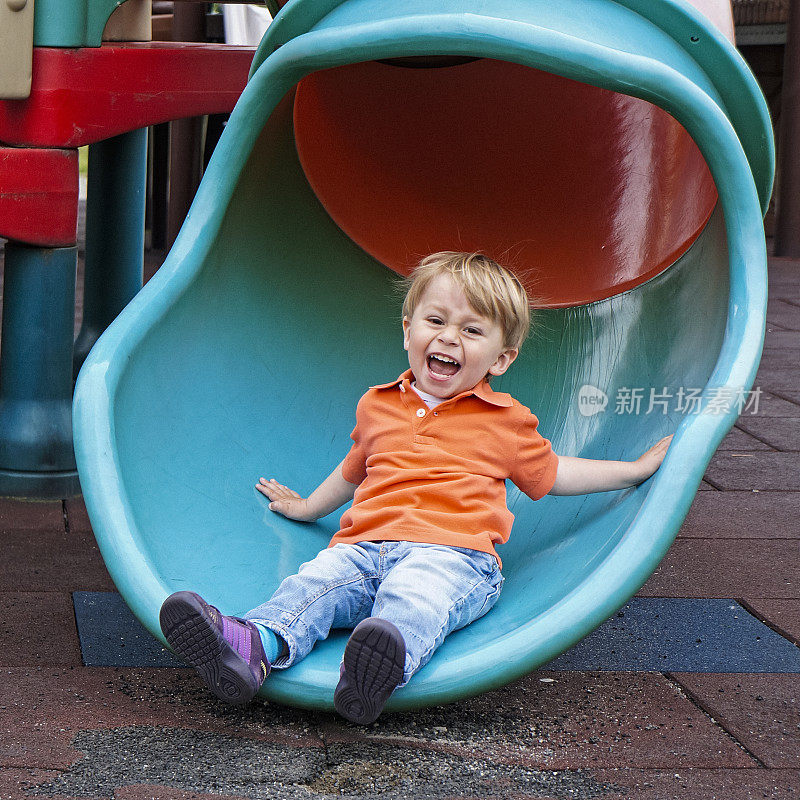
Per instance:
x=36, y=454
x=39, y=485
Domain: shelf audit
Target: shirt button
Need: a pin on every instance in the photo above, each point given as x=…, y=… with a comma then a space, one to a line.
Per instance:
x=420, y=412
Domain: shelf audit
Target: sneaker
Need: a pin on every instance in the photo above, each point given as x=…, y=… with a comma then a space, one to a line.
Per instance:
x=372, y=668
x=225, y=651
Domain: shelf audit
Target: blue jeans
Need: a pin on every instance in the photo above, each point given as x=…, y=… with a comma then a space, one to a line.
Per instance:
x=426, y=590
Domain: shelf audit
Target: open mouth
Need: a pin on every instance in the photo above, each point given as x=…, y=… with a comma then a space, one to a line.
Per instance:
x=442, y=365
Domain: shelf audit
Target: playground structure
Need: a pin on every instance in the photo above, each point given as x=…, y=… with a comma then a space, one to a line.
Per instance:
x=61, y=87
x=617, y=154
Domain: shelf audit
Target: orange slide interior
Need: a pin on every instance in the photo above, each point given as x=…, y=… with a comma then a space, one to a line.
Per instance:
x=583, y=192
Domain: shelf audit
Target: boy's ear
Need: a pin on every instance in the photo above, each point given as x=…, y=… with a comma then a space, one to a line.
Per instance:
x=504, y=361
x=406, y=328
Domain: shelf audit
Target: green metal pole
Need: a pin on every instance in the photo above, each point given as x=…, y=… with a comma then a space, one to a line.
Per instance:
x=36, y=456
x=114, y=234
x=59, y=24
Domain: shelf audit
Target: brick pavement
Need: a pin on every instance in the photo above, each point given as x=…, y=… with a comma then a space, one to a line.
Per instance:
x=69, y=731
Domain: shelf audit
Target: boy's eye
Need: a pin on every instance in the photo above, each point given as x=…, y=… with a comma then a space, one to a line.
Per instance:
x=474, y=331
x=435, y=320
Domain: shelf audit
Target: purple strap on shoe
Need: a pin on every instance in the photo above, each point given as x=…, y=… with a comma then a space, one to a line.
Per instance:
x=237, y=635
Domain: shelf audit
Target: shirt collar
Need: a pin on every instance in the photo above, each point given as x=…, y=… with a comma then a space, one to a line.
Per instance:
x=482, y=390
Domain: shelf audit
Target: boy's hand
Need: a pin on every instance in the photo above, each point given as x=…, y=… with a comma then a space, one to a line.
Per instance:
x=584, y=475
x=332, y=493
x=651, y=460
x=285, y=500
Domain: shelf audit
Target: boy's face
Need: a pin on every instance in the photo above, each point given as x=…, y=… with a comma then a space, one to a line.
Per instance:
x=451, y=347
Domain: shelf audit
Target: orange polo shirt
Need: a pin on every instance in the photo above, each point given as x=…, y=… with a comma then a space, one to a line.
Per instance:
x=438, y=476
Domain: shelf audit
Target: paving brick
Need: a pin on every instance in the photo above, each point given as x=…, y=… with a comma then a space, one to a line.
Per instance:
x=771, y=405
x=739, y=440
x=42, y=710
x=111, y=636
x=785, y=276
x=745, y=515
x=782, y=615
x=17, y=515
x=760, y=711
x=573, y=720
x=783, y=269
x=779, y=359
x=722, y=568
x=783, y=284
x=700, y=784
x=781, y=433
x=784, y=288
x=779, y=378
x=44, y=561
x=784, y=314
x=791, y=394
x=782, y=339
x=766, y=471
x=661, y=634
x=38, y=629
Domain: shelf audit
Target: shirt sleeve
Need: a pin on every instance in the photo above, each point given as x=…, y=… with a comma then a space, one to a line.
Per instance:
x=535, y=466
x=354, y=466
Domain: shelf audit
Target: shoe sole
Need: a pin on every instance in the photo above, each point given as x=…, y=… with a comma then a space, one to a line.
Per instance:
x=195, y=638
x=373, y=667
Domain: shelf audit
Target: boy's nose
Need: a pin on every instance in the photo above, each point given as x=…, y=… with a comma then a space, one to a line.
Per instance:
x=448, y=336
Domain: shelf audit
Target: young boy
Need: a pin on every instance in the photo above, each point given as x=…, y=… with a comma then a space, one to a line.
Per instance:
x=415, y=556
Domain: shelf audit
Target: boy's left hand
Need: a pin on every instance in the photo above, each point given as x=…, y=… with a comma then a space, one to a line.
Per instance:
x=651, y=460
x=584, y=475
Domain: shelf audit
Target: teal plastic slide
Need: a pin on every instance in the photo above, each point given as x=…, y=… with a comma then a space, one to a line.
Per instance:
x=618, y=155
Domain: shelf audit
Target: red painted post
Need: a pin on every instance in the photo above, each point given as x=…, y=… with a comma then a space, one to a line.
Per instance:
x=133, y=85
x=39, y=195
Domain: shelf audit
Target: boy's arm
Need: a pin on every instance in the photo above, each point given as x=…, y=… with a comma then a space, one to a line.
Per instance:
x=332, y=493
x=584, y=475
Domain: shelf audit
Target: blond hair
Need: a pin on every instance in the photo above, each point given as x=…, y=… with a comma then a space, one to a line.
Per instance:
x=492, y=290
